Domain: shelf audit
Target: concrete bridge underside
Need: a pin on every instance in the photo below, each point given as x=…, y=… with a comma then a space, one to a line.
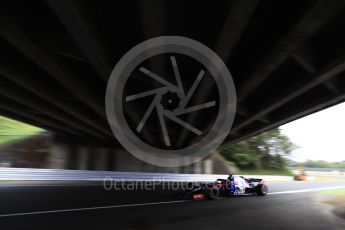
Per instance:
x=287, y=58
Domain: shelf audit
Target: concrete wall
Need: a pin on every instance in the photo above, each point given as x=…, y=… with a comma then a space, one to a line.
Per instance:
x=90, y=158
x=58, y=155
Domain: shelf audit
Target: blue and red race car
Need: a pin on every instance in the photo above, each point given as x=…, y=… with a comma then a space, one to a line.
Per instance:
x=232, y=186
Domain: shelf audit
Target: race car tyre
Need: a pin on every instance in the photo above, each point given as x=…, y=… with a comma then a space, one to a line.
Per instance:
x=213, y=193
x=261, y=190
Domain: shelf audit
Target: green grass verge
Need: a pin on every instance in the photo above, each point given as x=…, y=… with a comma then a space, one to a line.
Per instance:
x=11, y=130
x=340, y=191
x=281, y=172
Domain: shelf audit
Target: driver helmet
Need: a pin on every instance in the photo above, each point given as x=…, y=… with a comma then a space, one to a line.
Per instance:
x=231, y=177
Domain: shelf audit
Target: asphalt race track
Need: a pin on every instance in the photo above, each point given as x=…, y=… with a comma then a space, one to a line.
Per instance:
x=291, y=205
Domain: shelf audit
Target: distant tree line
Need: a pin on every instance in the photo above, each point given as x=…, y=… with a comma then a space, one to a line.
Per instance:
x=265, y=151
x=320, y=164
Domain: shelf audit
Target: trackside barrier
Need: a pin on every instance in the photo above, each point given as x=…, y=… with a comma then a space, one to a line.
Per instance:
x=29, y=174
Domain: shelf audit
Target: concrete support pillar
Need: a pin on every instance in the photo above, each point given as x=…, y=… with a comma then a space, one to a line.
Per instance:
x=197, y=167
x=83, y=158
x=58, y=157
x=110, y=160
x=117, y=160
x=100, y=159
x=208, y=166
x=91, y=159
x=72, y=156
x=127, y=162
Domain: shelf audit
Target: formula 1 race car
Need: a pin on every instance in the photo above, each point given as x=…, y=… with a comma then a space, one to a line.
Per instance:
x=233, y=186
